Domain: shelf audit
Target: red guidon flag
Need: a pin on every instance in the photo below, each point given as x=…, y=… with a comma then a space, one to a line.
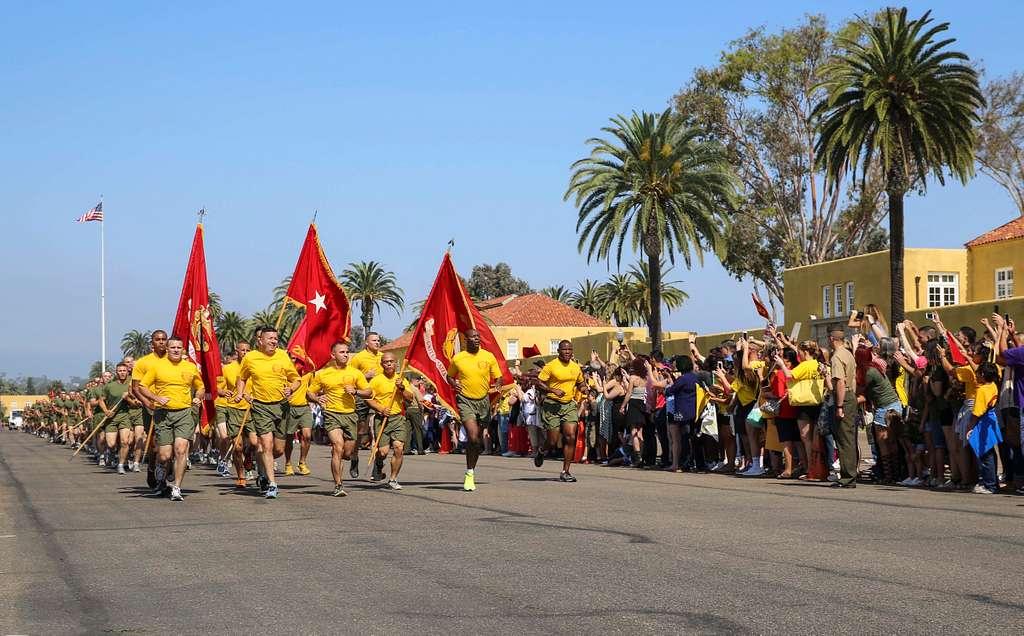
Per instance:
x=327, y=318
x=759, y=307
x=447, y=313
x=194, y=324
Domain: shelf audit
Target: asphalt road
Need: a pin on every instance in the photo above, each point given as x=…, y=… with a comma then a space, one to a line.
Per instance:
x=83, y=550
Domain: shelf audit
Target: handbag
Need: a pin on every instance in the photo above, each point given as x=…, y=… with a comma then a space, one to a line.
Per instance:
x=809, y=392
x=770, y=407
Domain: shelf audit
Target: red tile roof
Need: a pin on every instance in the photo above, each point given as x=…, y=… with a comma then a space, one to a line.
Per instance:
x=1011, y=230
x=530, y=310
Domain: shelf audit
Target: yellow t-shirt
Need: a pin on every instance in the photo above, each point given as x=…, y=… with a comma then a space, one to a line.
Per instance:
x=366, y=361
x=901, y=387
x=142, y=365
x=475, y=371
x=966, y=375
x=332, y=381
x=558, y=375
x=226, y=382
x=746, y=392
x=298, y=398
x=985, y=398
x=266, y=376
x=806, y=370
x=174, y=380
x=383, y=388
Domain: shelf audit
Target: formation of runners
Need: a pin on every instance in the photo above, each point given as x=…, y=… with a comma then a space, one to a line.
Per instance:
x=150, y=412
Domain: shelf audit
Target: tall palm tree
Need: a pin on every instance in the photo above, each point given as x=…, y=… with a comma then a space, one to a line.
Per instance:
x=370, y=285
x=617, y=298
x=135, y=343
x=232, y=328
x=901, y=98
x=558, y=292
x=587, y=298
x=215, y=307
x=640, y=291
x=657, y=184
x=262, y=318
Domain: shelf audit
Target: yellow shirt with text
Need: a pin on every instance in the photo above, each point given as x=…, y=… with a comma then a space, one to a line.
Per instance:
x=475, y=371
x=226, y=382
x=332, y=381
x=266, y=376
x=142, y=365
x=366, y=361
x=173, y=380
x=383, y=388
x=559, y=375
x=299, y=397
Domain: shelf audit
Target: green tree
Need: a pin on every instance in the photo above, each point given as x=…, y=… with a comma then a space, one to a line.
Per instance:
x=293, y=315
x=902, y=98
x=617, y=297
x=1001, y=136
x=758, y=102
x=587, y=298
x=639, y=290
x=136, y=343
x=371, y=286
x=262, y=318
x=215, y=307
x=96, y=369
x=30, y=386
x=558, y=292
x=657, y=184
x=232, y=328
x=492, y=281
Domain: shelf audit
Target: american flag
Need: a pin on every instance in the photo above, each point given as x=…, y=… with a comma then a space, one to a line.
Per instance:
x=95, y=214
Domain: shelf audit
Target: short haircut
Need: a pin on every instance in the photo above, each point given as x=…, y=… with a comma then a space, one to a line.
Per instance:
x=564, y=342
x=372, y=333
x=157, y=331
x=988, y=372
x=338, y=343
x=175, y=339
x=122, y=364
x=262, y=329
x=969, y=333
x=684, y=364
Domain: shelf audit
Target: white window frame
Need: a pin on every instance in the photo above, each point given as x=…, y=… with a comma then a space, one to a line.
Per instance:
x=512, y=349
x=553, y=347
x=826, y=301
x=850, y=297
x=837, y=296
x=946, y=287
x=1004, y=287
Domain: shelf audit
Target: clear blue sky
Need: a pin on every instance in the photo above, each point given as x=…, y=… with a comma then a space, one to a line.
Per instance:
x=405, y=126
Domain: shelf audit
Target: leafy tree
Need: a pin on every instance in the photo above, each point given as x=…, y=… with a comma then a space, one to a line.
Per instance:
x=215, y=307
x=492, y=281
x=96, y=369
x=758, y=103
x=1001, y=136
x=232, y=328
x=659, y=185
x=371, y=286
x=30, y=386
x=293, y=315
x=262, y=318
x=558, y=292
x=356, y=338
x=136, y=343
x=900, y=97
x=616, y=298
x=587, y=298
x=639, y=291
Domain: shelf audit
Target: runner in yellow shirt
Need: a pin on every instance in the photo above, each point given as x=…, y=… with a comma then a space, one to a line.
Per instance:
x=472, y=373
x=267, y=378
x=173, y=380
x=299, y=418
x=559, y=380
x=368, y=362
x=335, y=388
x=390, y=391
x=234, y=413
x=158, y=350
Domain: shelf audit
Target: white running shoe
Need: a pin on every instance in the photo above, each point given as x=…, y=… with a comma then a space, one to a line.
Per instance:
x=120, y=469
x=136, y=468
x=394, y=485
x=916, y=481
x=175, y=493
x=981, y=490
x=102, y=461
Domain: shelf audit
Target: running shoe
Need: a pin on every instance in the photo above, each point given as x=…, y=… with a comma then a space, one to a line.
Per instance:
x=272, y=491
x=468, y=484
x=566, y=477
x=120, y=469
x=175, y=493
x=263, y=484
x=394, y=485
x=981, y=490
x=353, y=468
x=136, y=468
x=304, y=469
x=339, y=491
x=250, y=474
x=378, y=472
x=101, y=461
x=288, y=470
x=538, y=459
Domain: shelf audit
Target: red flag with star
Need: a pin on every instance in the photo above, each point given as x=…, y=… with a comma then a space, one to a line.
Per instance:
x=447, y=314
x=328, y=316
x=194, y=323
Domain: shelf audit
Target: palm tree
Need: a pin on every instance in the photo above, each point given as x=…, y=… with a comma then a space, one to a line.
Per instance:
x=640, y=291
x=558, y=292
x=587, y=298
x=900, y=98
x=616, y=297
x=660, y=186
x=214, y=305
x=262, y=318
x=232, y=328
x=136, y=343
x=370, y=285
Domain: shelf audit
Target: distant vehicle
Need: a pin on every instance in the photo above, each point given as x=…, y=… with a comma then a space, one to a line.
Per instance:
x=14, y=421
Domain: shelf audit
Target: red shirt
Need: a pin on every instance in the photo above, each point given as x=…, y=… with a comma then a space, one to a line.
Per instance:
x=786, y=411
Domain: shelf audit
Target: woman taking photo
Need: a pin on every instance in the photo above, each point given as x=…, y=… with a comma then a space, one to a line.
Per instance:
x=876, y=392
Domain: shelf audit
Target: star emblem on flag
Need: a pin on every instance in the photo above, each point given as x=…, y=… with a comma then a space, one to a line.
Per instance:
x=318, y=301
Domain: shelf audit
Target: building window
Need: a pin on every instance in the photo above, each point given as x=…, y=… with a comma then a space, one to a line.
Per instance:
x=512, y=349
x=943, y=289
x=553, y=347
x=826, y=301
x=839, y=300
x=850, y=305
x=1004, y=282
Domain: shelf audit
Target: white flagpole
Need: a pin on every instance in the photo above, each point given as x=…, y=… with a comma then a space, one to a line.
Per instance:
x=103, y=292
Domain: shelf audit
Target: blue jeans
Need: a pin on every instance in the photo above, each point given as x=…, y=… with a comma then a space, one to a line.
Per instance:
x=503, y=431
x=987, y=470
